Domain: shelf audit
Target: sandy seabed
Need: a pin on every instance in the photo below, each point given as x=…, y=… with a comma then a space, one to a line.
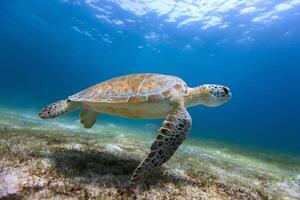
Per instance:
x=58, y=159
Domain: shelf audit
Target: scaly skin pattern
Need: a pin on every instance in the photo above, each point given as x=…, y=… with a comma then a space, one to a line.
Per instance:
x=58, y=108
x=174, y=130
x=54, y=109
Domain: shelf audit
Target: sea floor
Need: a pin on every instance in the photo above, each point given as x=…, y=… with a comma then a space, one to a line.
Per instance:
x=57, y=159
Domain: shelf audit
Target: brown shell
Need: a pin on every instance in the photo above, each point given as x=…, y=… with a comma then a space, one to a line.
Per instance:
x=133, y=88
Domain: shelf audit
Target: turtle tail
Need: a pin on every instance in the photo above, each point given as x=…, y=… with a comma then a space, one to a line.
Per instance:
x=58, y=108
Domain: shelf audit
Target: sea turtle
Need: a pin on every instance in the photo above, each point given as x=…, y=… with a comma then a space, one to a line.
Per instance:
x=144, y=96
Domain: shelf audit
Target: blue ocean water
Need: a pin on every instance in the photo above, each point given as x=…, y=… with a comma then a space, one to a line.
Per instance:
x=52, y=49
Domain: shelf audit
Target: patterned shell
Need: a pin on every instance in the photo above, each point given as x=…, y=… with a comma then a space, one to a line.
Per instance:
x=135, y=88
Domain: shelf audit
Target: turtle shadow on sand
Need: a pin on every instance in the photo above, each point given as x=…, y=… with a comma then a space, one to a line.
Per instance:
x=93, y=166
x=102, y=168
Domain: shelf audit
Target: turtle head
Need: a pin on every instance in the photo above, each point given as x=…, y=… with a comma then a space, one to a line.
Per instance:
x=210, y=95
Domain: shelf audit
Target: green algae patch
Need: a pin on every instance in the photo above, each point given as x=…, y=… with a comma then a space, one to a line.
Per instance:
x=61, y=160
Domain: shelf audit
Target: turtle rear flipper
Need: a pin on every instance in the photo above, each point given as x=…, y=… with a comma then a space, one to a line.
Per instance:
x=58, y=108
x=88, y=118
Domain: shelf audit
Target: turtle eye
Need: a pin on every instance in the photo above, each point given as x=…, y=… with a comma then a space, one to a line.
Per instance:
x=226, y=90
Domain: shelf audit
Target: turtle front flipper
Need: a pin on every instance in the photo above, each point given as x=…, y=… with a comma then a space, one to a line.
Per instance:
x=172, y=133
x=88, y=118
x=58, y=108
